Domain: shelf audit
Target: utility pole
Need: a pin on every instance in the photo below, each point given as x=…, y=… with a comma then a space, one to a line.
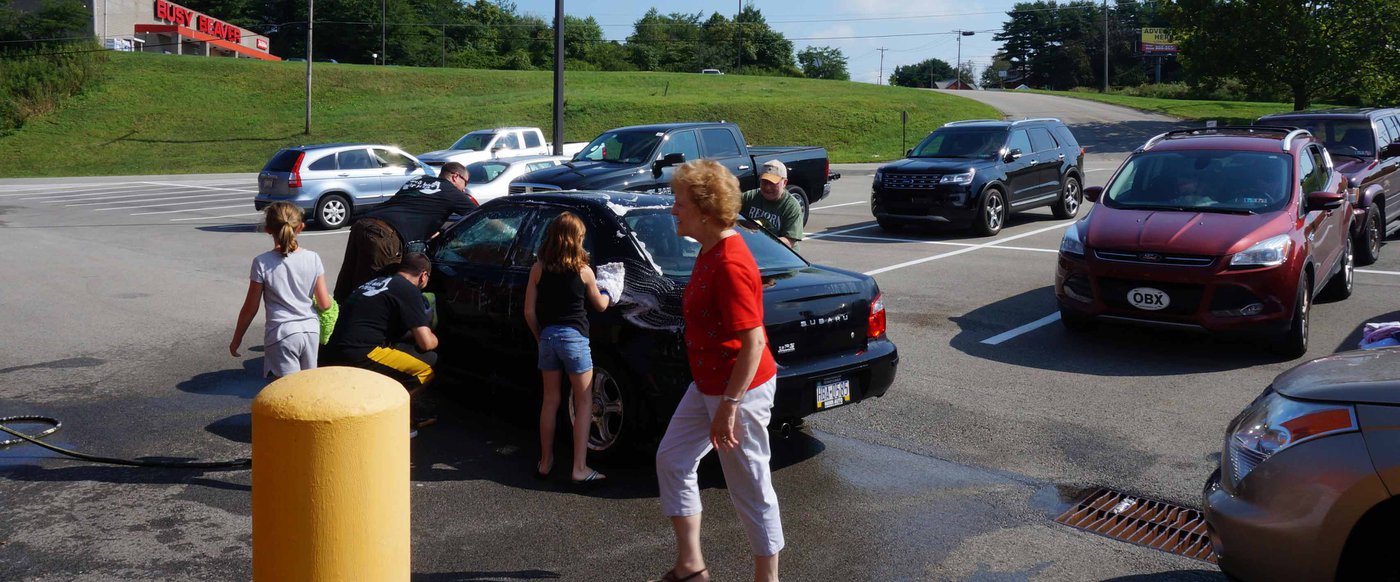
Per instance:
x=957, y=70
x=310, y=13
x=881, y=79
x=383, y=26
x=444, y=45
x=739, y=48
x=1105, y=46
x=558, y=133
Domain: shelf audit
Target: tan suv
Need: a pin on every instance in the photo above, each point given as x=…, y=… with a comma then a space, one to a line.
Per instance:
x=1307, y=479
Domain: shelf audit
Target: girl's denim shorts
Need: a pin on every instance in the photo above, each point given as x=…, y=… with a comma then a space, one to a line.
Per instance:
x=564, y=347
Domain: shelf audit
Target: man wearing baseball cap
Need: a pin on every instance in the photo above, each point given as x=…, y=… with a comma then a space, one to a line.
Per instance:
x=772, y=206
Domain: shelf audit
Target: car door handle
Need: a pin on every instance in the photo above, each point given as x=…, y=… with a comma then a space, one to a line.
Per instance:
x=1061, y=157
x=743, y=167
x=343, y=175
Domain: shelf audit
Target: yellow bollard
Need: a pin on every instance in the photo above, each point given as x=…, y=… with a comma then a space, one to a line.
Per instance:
x=331, y=478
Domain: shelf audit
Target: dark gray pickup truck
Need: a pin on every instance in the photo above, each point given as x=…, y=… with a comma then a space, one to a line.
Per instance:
x=641, y=158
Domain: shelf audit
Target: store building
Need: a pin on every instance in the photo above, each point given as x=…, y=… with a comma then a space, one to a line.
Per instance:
x=159, y=26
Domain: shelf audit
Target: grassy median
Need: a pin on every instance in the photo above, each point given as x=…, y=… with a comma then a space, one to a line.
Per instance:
x=1226, y=112
x=161, y=114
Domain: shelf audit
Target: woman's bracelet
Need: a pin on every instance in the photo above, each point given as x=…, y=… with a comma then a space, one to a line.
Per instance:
x=728, y=398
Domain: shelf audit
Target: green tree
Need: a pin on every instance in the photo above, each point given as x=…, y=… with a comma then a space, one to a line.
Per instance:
x=823, y=62
x=923, y=74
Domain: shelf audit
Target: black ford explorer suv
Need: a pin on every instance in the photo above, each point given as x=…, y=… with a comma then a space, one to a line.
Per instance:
x=974, y=173
x=641, y=158
x=1365, y=145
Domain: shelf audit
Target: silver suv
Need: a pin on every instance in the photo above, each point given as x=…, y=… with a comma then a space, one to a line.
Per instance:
x=333, y=181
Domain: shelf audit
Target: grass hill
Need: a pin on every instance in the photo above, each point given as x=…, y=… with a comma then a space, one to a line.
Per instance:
x=162, y=114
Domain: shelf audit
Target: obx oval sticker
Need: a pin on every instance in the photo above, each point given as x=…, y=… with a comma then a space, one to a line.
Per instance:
x=1149, y=299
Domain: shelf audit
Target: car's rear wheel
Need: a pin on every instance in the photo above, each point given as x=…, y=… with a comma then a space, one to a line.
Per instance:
x=1371, y=234
x=332, y=211
x=1340, y=286
x=801, y=195
x=1071, y=197
x=1075, y=321
x=992, y=215
x=1294, y=343
x=615, y=418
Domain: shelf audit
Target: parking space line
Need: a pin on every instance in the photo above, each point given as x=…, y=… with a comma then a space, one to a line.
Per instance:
x=113, y=195
x=197, y=187
x=1032, y=326
x=169, y=204
x=967, y=249
x=837, y=205
x=161, y=199
x=217, y=217
x=68, y=192
x=189, y=210
x=30, y=190
x=1375, y=272
x=938, y=242
x=821, y=235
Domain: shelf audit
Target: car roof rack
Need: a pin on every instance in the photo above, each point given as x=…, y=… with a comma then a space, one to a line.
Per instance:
x=1290, y=133
x=967, y=121
x=1055, y=119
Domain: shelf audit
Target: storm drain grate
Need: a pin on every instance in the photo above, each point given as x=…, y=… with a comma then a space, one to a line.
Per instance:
x=1146, y=522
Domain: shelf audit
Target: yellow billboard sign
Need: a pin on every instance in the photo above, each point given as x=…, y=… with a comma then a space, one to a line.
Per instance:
x=1157, y=41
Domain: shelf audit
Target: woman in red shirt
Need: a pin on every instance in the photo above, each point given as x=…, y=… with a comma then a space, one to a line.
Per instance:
x=729, y=404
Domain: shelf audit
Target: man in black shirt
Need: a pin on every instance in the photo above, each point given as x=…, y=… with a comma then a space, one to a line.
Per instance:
x=404, y=223
x=378, y=319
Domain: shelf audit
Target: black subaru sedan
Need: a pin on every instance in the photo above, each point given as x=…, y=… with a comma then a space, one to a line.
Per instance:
x=826, y=326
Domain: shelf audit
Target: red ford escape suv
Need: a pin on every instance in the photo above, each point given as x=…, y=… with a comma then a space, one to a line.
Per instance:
x=1230, y=229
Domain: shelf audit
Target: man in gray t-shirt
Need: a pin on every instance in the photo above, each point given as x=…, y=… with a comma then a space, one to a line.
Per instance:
x=772, y=206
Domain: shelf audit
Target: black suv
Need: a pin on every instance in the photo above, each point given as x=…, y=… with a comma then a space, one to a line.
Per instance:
x=974, y=173
x=1366, y=145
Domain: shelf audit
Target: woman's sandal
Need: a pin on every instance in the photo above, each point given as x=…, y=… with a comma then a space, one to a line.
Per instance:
x=671, y=576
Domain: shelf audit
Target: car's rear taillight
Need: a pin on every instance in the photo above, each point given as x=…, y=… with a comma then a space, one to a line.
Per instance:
x=1081, y=152
x=827, y=171
x=295, y=180
x=875, y=324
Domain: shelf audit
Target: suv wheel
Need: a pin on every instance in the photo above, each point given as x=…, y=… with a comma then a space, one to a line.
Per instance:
x=1340, y=286
x=1371, y=235
x=332, y=211
x=1071, y=197
x=992, y=216
x=801, y=196
x=1294, y=342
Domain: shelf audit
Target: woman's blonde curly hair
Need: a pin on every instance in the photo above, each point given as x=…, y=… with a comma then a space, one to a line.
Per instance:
x=713, y=189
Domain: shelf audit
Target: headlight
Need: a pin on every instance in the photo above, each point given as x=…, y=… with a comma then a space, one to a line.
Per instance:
x=1265, y=253
x=1274, y=423
x=1071, y=243
x=879, y=177
x=959, y=179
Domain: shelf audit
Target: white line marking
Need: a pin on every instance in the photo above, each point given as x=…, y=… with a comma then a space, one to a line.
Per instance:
x=217, y=217
x=23, y=190
x=821, y=235
x=1375, y=272
x=67, y=192
x=161, y=199
x=325, y=232
x=1098, y=170
x=189, y=210
x=114, y=195
x=837, y=205
x=203, y=187
x=170, y=204
x=967, y=249
x=938, y=242
x=1032, y=326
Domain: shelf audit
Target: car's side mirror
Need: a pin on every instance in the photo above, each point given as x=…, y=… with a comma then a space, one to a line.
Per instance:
x=1013, y=155
x=1318, y=201
x=1093, y=193
x=909, y=153
x=668, y=160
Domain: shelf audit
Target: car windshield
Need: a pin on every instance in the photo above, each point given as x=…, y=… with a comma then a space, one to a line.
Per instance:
x=474, y=141
x=1202, y=181
x=961, y=143
x=483, y=172
x=656, y=231
x=1341, y=137
x=624, y=147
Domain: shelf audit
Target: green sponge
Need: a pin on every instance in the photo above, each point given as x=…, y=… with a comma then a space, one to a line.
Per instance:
x=328, y=318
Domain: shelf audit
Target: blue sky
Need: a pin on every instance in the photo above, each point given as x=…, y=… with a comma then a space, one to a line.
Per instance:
x=910, y=27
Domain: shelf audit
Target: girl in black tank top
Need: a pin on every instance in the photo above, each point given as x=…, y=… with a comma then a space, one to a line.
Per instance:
x=561, y=284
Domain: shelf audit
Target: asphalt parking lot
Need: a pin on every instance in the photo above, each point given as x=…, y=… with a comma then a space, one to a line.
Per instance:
x=121, y=295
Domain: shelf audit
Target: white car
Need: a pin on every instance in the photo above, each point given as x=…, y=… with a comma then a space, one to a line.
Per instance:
x=502, y=142
x=491, y=179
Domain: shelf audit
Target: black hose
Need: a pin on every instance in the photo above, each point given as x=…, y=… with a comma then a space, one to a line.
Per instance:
x=34, y=439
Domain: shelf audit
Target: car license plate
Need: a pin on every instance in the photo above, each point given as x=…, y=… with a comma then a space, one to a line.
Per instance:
x=920, y=200
x=1149, y=298
x=833, y=392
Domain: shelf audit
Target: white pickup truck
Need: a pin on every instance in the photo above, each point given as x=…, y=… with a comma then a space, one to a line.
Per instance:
x=502, y=142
